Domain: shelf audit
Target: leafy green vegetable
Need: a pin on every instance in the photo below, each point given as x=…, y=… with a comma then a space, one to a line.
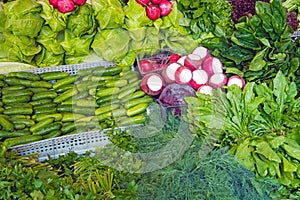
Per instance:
x=111, y=44
x=109, y=14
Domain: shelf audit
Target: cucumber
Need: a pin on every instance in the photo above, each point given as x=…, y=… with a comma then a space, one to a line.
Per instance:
x=10, y=142
x=108, y=71
x=44, y=95
x=6, y=124
x=128, y=86
x=64, y=108
x=17, y=105
x=52, y=134
x=80, y=95
x=67, y=94
x=19, y=126
x=134, y=102
x=44, y=110
x=107, y=108
x=18, y=111
x=137, y=109
x=135, y=95
x=84, y=110
x=38, y=89
x=119, y=112
x=2, y=83
x=26, y=122
x=64, y=88
x=55, y=116
x=86, y=103
x=40, y=125
x=137, y=119
x=104, y=99
x=113, y=101
x=12, y=88
x=24, y=75
x=48, y=128
x=70, y=117
x=18, y=93
x=104, y=116
x=65, y=81
x=16, y=99
x=18, y=81
x=107, y=92
x=41, y=102
x=126, y=93
x=116, y=83
x=48, y=105
x=68, y=127
x=48, y=76
x=43, y=84
x=18, y=133
x=102, y=78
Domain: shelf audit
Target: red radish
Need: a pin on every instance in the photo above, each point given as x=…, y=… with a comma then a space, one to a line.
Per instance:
x=212, y=65
x=199, y=78
x=152, y=84
x=174, y=57
x=183, y=75
x=145, y=66
x=205, y=89
x=202, y=52
x=155, y=66
x=155, y=1
x=236, y=80
x=217, y=80
x=181, y=60
x=169, y=72
x=53, y=3
x=153, y=12
x=192, y=61
x=79, y=2
x=143, y=2
x=65, y=6
x=165, y=7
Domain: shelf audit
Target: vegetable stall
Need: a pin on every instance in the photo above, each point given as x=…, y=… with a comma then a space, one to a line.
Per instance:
x=150, y=99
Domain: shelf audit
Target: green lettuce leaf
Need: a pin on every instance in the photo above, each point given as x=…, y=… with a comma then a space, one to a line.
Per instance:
x=82, y=21
x=23, y=20
x=49, y=40
x=47, y=58
x=135, y=15
x=111, y=44
x=55, y=19
x=76, y=46
x=109, y=13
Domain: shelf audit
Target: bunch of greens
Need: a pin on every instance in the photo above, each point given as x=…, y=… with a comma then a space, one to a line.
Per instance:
x=260, y=46
x=205, y=19
x=216, y=176
x=22, y=25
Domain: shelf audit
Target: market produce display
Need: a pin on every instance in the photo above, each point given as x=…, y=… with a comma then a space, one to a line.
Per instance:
x=201, y=99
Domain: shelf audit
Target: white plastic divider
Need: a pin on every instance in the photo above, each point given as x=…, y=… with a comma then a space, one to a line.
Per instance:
x=79, y=143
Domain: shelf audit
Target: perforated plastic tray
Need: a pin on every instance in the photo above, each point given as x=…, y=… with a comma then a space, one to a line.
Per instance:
x=79, y=143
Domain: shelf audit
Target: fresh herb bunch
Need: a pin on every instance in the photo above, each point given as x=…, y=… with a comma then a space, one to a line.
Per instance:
x=215, y=176
x=260, y=46
x=206, y=18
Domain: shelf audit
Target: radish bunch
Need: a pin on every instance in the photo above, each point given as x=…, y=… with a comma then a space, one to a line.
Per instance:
x=65, y=6
x=156, y=8
x=199, y=70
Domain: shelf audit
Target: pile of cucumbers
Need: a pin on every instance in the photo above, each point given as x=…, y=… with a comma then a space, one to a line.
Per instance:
x=35, y=106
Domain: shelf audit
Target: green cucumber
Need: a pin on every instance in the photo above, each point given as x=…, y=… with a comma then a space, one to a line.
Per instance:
x=107, y=108
x=44, y=110
x=10, y=142
x=38, y=89
x=86, y=103
x=116, y=83
x=65, y=81
x=64, y=88
x=12, y=88
x=84, y=110
x=67, y=94
x=55, y=116
x=134, y=102
x=70, y=117
x=24, y=75
x=68, y=127
x=137, y=109
x=26, y=122
x=44, y=95
x=104, y=116
x=134, y=95
x=64, y=108
x=107, y=92
x=137, y=119
x=16, y=99
x=17, y=93
x=107, y=71
x=18, y=111
x=40, y=125
x=18, y=133
x=126, y=93
x=12, y=81
x=39, y=84
x=52, y=134
x=48, y=128
x=6, y=123
x=40, y=102
x=48, y=76
x=17, y=105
